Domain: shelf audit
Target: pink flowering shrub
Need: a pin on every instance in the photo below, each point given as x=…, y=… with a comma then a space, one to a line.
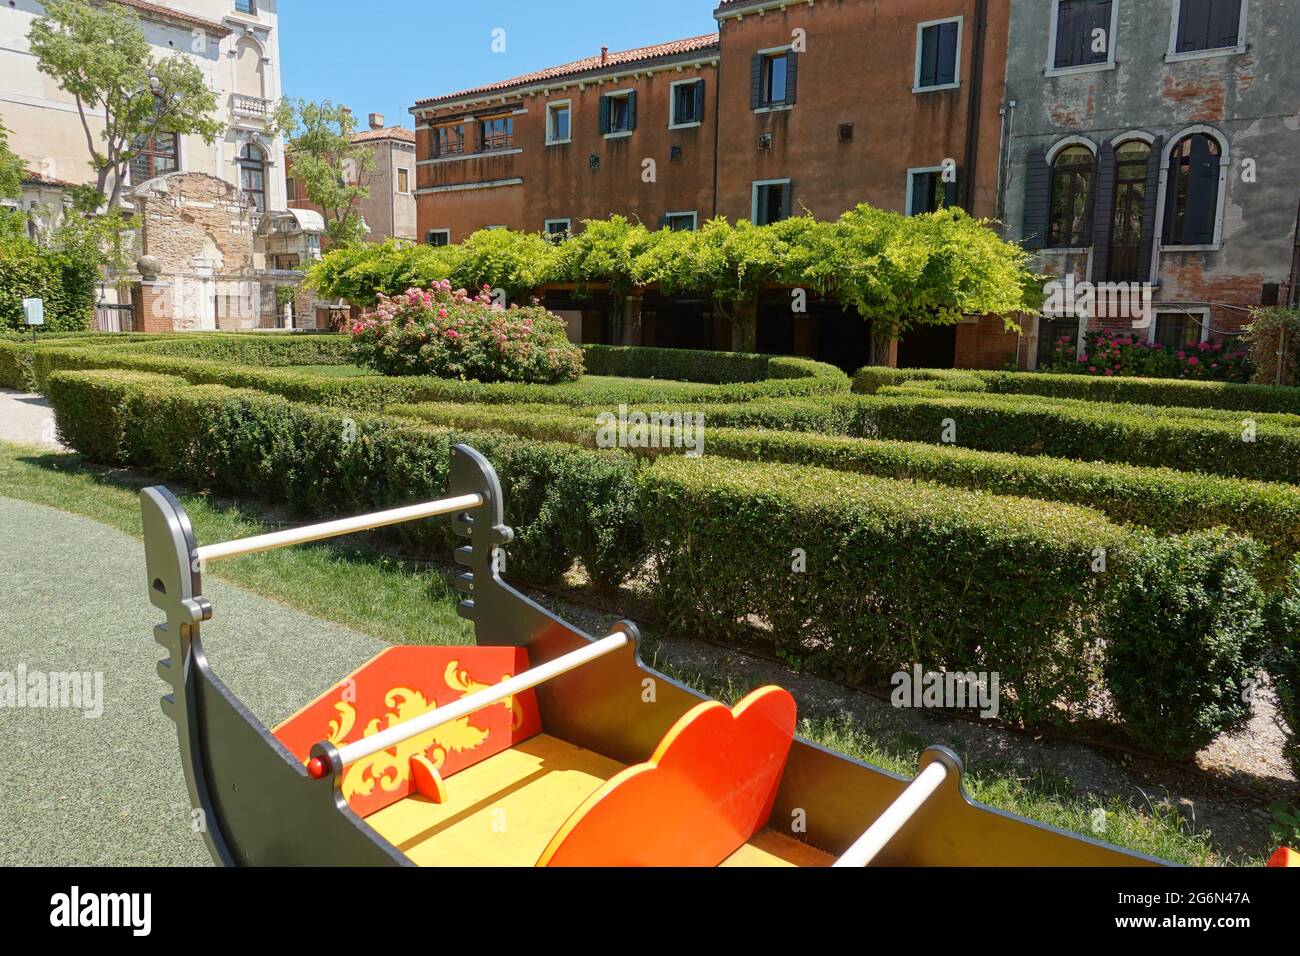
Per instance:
x=1113, y=353
x=452, y=334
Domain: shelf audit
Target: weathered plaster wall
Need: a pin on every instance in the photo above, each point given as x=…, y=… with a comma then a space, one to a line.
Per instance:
x=1251, y=97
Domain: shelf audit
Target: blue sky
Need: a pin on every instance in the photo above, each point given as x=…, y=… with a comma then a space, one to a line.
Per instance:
x=383, y=55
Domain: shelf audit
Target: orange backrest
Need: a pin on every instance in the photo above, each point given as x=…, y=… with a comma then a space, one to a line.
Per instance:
x=401, y=683
x=708, y=788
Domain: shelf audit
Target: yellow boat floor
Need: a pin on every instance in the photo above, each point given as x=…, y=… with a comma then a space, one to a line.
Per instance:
x=504, y=811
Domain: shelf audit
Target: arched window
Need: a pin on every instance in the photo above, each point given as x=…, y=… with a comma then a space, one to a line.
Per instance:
x=1130, y=199
x=1192, y=191
x=1072, y=171
x=252, y=174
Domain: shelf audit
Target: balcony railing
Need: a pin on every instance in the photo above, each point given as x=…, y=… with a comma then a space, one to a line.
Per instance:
x=253, y=106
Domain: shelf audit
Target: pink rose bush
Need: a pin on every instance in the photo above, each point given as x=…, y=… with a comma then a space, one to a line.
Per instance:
x=1116, y=353
x=451, y=334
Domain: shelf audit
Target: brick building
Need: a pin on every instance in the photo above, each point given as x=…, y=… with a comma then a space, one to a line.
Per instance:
x=389, y=210
x=819, y=105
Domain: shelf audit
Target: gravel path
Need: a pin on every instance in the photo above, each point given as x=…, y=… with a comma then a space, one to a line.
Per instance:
x=109, y=790
x=27, y=419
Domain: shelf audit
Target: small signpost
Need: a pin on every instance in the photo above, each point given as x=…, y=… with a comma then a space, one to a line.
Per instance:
x=34, y=314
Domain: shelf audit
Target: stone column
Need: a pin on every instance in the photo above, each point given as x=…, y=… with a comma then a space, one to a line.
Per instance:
x=151, y=301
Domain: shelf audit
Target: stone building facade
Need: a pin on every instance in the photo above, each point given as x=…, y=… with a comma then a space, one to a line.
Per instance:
x=235, y=45
x=388, y=212
x=1153, y=144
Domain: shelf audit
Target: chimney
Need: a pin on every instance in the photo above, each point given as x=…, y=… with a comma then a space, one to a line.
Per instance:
x=604, y=55
x=376, y=120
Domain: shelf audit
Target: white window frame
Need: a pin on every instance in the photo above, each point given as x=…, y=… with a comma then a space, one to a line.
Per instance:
x=672, y=104
x=546, y=227
x=496, y=227
x=445, y=232
x=753, y=195
x=1113, y=36
x=695, y=216
x=772, y=51
x=1173, y=56
x=551, y=106
x=614, y=94
x=907, y=202
x=1202, y=310
x=410, y=173
x=1225, y=163
x=956, y=72
x=1052, y=153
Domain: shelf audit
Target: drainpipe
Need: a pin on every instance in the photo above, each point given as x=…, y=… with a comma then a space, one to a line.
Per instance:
x=717, y=120
x=973, y=107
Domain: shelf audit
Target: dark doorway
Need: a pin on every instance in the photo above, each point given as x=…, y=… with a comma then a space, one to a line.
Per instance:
x=928, y=346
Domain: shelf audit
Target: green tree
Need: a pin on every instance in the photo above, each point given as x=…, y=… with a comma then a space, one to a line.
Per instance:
x=99, y=54
x=333, y=170
x=11, y=169
x=359, y=272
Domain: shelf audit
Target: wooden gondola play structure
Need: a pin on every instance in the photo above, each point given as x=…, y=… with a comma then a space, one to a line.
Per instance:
x=538, y=746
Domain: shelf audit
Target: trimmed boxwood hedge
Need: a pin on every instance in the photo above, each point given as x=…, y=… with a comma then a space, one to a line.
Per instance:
x=944, y=389
x=1283, y=620
x=1185, y=640
x=371, y=392
x=694, y=365
x=280, y=349
x=897, y=572
x=563, y=501
x=1120, y=389
x=1162, y=499
x=1028, y=426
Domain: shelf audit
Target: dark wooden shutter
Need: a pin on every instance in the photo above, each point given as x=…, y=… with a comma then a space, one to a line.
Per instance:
x=756, y=81
x=791, y=77
x=1202, y=194
x=1149, y=209
x=787, y=191
x=604, y=114
x=1225, y=23
x=631, y=111
x=929, y=57
x=1075, y=24
x=699, y=101
x=663, y=221
x=1038, y=189
x=1103, y=213
x=946, y=63
x=1193, y=25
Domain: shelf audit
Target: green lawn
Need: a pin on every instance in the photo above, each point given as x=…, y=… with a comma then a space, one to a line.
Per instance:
x=400, y=602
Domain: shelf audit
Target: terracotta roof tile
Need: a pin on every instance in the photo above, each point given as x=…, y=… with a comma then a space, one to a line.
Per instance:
x=391, y=132
x=588, y=64
x=32, y=178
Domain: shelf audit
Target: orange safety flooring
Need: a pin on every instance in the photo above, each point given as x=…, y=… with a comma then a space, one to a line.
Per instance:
x=504, y=811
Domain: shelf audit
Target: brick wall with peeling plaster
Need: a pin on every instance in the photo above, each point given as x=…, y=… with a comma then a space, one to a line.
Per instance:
x=1251, y=97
